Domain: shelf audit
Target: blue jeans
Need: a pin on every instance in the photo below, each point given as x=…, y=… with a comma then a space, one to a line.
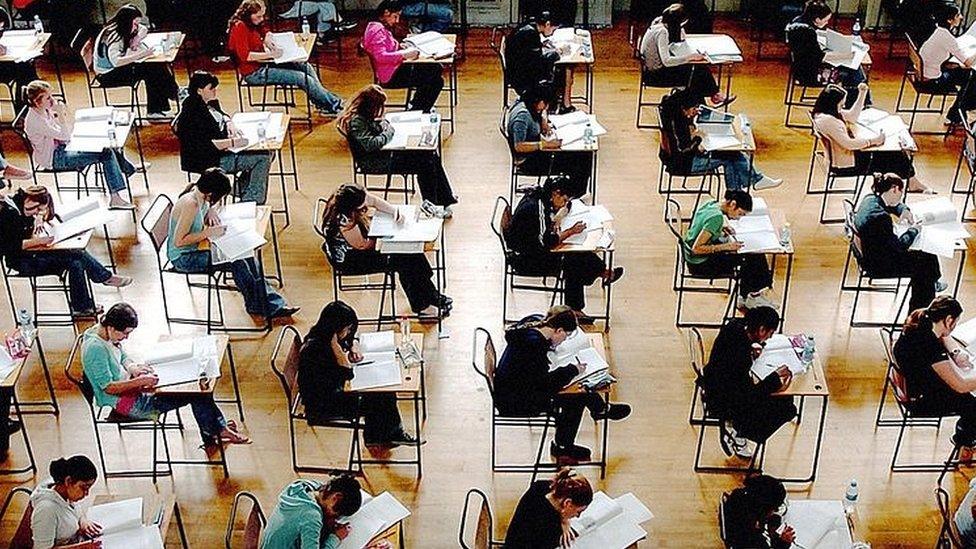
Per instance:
x=252, y=173
x=113, y=162
x=259, y=297
x=738, y=172
x=325, y=13
x=437, y=18
x=301, y=75
x=80, y=266
x=209, y=418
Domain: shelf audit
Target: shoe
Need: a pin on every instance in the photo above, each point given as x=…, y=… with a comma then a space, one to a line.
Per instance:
x=117, y=281
x=120, y=204
x=143, y=168
x=754, y=300
x=433, y=314
x=343, y=26
x=220, y=58
x=159, y=115
x=584, y=319
x=87, y=313
x=767, y=183
x=285, y=312
x=743, y=448
x=726, y=437
x=617, y=273
x=444, y=302
x=941, y=286
x=574, y=452
x=14, y=426
x=326, y=113
x=403, y=438
x=447, y=212
x=613, y=412
x=567, y=109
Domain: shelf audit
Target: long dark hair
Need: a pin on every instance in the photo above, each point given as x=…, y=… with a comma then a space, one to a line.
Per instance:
x=945, y=12
x=121, y=317
x=119, y=27
x=813, y=10
x=344, y=201
x=761, y=495
x=673, y=17
x=883, y=182
x=558, y=316
x=567, y=484
x=213, y=182
x=828, y=102
x=77, y=468
x=368, y=103
x=334, y=317
x=941, y=307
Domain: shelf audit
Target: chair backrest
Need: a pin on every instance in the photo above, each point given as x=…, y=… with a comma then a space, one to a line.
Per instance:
x=253, y=524
x=487, y=362
x=78, y=378
x=676, y=224
x=287, y=373
x=481, y=537
x=84, y=45
x=5, y=18
x=948, y=536
x=23, y=537
x=968, y=151
x=914, y=69
x=501, y=220
x=317, y=213
x=696, y=351
x=156, y=224
x=899, y=386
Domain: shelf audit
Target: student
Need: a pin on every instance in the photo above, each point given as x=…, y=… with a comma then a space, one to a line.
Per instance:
x=710, y=250
x=938, y=74
x=680, y=111
x=56, y=517
x=917, y=18
x=17, y=73
x=323, y=12
x=965, y=517
x=525, y=385
x=388, y=56
x=367, y=132
x=308, y=511
x=850, y=158
x=808, y=57
x=749, y=411
x=48, y=127
x=430, y=15
x=529, y=61
x=938, y=371
x=884, y=254
x=207, y=134
x=751, y=516
x=326, y=362
x=542, y=517
x=253, y=50
x=664, y=68
x=535, y=231
x=23, y=243
x=348, y=246
x=117, y=61
x=129, y=388
x=192, y=222
x=535, y=149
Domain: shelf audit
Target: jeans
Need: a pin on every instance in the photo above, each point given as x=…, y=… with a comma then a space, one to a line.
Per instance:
x=434, y=16
x=80, y=266
x=259, y=297
x=114, y=164
x=740, y=173
x=252, y=174
x=324, y=12
x=427, y=79
x=209, y=418
x=301, y=75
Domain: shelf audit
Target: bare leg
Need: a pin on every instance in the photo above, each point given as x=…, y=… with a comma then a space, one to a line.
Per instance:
x=568, y=88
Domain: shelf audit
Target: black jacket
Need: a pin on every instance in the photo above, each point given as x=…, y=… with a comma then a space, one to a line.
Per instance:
x=523, y=383
x=321, y=378
x=526, y=62
x=879, y=245
x=678, y=146
x=196, y=130
x=807, y=55
x=535, y=524
x=14, y=228
x=726, y=378
x=743, y=529
x=531, y=232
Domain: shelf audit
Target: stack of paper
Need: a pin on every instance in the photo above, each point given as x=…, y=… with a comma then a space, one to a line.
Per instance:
x=611, y=523
x=819, y=524
x=184, y=360
x=373, y=517
x=411, y=228
x=122, y=527
x=571, y=127
x=779, y=351
x=967, y=43
x=431, y=44
x=379, y=367
x=22, y=45
x=756, y=233
x=238, y=242
x=577, y=349
x=719, y=48
x=78, y=217
x=965, y=333
x=239, y=210
x=842, y=50
x=247, y=124
x=291, y=52
x=593, y=217
x=939, y=226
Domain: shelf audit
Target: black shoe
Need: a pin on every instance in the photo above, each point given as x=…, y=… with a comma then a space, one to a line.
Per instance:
x=613, y=412
x=574, y=452
x=87, y=314
x=14, y=426
x=725, y=439
x=617, y=273
x=443, y=301
x=567, y=109
x=404, y=438
x=284, y=312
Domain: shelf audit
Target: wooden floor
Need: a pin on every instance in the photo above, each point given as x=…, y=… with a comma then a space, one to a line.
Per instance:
x=651, y=452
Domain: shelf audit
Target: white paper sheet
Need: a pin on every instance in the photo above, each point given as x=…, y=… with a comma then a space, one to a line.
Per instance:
x=375, y=374
x=291, y=52
x=759, y=241
x=23, y=45
x=374, y=516
x=431, y=44
x=238, y=242
x=965, y=333
x=238, y=210
x=247, y=124
x=117, y=516
x=376, y=342
x=611, y=524
x=143, y=537
x=819, y=524
x=79, y=217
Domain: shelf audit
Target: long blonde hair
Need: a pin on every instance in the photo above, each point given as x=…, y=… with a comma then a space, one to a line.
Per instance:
x=368, y=103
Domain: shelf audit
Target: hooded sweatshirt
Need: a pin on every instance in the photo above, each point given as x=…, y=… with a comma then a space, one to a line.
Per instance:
x=297, y=521
x=54, y=521
x=523, y=382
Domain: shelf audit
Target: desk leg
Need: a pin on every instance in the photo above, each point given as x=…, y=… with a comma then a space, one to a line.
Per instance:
x=284, y=189
x=233, y=378
x=786, y=291
x=279, y=276
x=962, y=263
x=179, y=525
x=609, y=296
x=593, y=175
x=416, y=424
x=817, y=447
x=291, y=154
x=606, y=437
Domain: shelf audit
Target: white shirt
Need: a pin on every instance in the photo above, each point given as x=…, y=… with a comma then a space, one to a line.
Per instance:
x=937, y=50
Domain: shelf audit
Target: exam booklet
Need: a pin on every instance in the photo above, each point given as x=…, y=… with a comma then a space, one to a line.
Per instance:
x=611, y=523
x=78, y=217
x=374, y=516
x=431, y=44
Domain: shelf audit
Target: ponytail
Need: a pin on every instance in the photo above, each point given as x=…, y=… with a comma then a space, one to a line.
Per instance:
x=558, y=316
x=941, y=308
x=75, y=467
x=568, y=485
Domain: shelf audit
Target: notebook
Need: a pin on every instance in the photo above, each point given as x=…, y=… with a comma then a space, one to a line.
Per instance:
x=431, y=44
x=291, y=52
x=374, y=516
x=184, y=360
x=238, y=242
x=78, y=217
x=122, y=527
x=611, y=523
x=577, y=348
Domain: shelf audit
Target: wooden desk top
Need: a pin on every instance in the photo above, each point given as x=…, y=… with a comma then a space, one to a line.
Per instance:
x=393, y=535
x=38, y=48
x=204, y=385
x=452, y=38
x=273, y=145
x=170, y=54
x=152, y=503
x=811, y=383
x=409, y=377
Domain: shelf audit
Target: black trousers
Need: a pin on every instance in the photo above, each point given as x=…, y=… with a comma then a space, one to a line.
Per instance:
x=698, y=78
x=577, y=165
x=947, y=403
x=762, y=418
x=896, y=162
x=19, y=74
x=413, y=271
x=923, y=268
x=381, y=417
x=754, y=273
x=579, y=270
x=6, y=395
x=569, y=413
x=425, y=77
x=431, y=177
x=160, y=83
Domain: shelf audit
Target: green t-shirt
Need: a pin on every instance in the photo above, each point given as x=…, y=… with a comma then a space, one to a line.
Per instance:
x=709, y=218
x=102, y=363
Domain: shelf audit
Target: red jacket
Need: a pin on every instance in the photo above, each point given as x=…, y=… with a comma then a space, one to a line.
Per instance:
x=242, y=41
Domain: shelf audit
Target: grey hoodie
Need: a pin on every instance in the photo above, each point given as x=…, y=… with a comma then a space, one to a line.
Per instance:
x=54, y=521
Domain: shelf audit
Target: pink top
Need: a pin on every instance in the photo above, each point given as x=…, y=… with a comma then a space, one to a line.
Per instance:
x=381, y=47
x=45, y=133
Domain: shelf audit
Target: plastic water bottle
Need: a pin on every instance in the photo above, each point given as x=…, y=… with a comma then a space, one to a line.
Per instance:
x=850, y=497
x=588, y=138
x=25, y=320
x=434, y=119
x=306, y=28
x=856, y=29
x=809, y=349
x=38, y=25
x=111, y=135
x=745, y=123
x=785, y=235
x=262, y=132
x=404, y=328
